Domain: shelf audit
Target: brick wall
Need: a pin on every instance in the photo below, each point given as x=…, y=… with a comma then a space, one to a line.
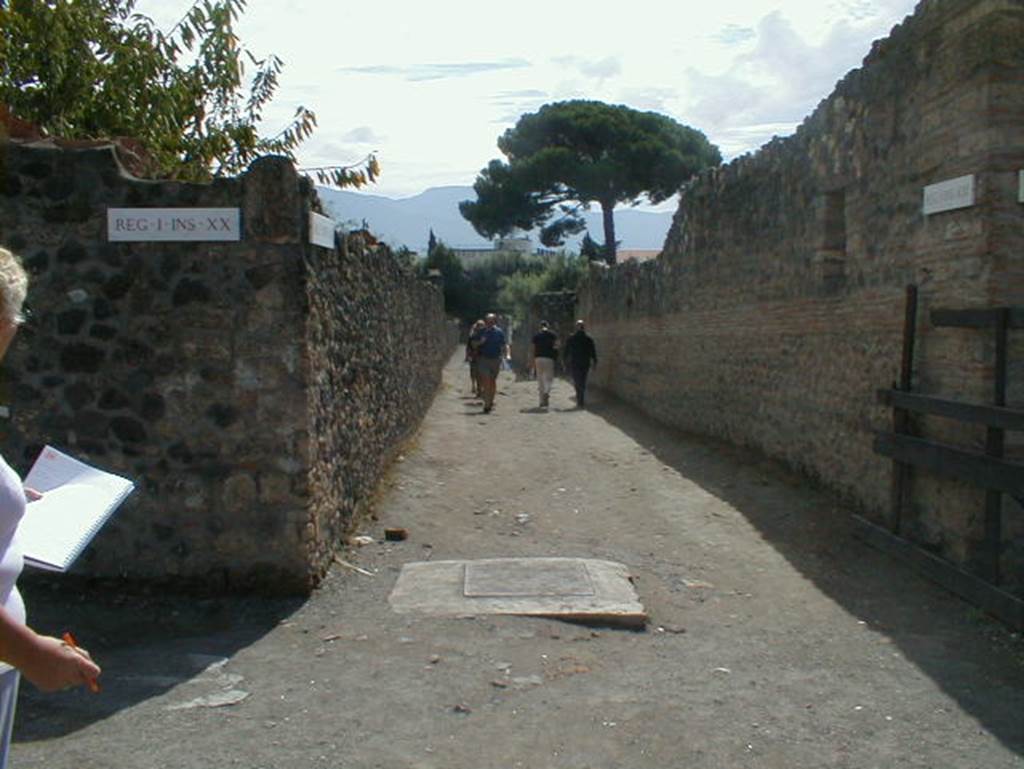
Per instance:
x=776, y=309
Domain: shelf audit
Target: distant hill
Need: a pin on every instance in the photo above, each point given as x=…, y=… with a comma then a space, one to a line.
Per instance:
x=408, y=221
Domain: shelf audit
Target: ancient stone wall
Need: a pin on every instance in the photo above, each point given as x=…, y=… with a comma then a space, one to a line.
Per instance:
x=378, y=338
x=776, y=309
x=253, y=389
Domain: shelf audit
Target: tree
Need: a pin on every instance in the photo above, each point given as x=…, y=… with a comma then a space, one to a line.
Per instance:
x=589, y=249
x=95, y=69
x=432, y=242
x=571, y=154
x=444, y=260
x=561, y=272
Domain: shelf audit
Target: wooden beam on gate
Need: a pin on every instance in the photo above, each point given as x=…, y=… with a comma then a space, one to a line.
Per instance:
x=901, y=417
x=995, y=439
x=992, y=416
x=978, y=469
x=989, y=598
x=980, y=318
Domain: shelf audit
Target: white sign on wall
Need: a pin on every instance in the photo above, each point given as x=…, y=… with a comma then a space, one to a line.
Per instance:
x=321, y=230
x=146, y=224
x=948, y=195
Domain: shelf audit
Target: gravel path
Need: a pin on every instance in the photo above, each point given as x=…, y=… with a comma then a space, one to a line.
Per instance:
x=776, y=639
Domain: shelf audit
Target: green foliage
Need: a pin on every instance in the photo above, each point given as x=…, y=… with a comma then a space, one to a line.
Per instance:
x=501, y=283
x=562, y=272
x=590, y=249
x=405, y=256
x=484, y=281
x=517, y=290
x=95, y=69
x=571, y=154
x=444, y=260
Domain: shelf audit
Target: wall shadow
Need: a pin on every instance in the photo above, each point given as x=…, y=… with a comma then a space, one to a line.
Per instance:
x=975, y=660
x=147, y=643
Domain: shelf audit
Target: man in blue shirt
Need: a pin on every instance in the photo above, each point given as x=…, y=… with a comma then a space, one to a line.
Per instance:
x=492, y=348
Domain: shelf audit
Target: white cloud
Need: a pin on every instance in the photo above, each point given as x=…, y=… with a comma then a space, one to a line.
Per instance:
x=777, y=82
x=438, y=71
x=649, y=98
x=595, y=69
x=362, y=135
x=734, y=33
x=432, y=88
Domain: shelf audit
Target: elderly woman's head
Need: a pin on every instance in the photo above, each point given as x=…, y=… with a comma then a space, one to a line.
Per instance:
x=13, y=287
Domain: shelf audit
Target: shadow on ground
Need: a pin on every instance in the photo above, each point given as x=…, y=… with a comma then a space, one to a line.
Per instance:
x=147, y=644
x=974, y=659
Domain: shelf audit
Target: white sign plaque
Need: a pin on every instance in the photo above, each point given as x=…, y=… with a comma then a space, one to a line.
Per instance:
x=146, y=224
x=321, y=230
x=948, y=195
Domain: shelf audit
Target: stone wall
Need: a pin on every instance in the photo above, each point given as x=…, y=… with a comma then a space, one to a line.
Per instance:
x=378, y=338
x=776, y=309
x=230, y=380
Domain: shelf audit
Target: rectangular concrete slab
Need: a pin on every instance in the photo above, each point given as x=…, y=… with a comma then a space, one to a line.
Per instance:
x=578, y=589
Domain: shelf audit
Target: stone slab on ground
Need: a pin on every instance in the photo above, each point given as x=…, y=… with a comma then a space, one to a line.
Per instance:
x=577, y=589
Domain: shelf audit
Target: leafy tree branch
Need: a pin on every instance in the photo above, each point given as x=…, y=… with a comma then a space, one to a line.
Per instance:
x=194, y=96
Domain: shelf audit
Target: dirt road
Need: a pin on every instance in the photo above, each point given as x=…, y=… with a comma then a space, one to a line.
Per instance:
x=775, y=638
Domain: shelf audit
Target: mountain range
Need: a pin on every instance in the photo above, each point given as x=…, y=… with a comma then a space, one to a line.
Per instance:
x=408, y=221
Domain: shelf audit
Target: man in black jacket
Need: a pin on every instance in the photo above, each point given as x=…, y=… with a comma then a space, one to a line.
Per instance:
x=543, y=353
x=580, y=354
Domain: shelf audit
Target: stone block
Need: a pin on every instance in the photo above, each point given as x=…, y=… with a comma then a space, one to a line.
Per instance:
x=239, y=493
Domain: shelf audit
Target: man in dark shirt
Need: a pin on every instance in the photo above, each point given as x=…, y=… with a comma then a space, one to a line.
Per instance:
x=543, y=352
x=473, y=355
x=493, y=349
x=580, y=355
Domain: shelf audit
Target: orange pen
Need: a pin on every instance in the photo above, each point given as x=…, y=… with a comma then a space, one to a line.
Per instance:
x=66, y=637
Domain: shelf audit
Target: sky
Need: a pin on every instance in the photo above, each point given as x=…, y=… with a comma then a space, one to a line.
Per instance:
x=430, y=86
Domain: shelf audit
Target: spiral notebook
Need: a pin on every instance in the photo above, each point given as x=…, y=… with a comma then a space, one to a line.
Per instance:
x=77, y=500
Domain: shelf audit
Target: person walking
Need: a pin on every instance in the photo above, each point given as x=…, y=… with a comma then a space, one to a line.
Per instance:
x=543, y=353
x=473, y=355
x=493, y=350
x=580, y=355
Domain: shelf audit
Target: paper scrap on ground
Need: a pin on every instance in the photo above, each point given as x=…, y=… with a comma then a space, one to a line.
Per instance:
x=579, y=589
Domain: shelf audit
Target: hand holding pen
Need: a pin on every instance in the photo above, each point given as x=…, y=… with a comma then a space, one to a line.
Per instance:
x=90, y=678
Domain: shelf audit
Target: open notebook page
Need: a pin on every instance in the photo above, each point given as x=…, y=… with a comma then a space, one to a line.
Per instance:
x=77, y=500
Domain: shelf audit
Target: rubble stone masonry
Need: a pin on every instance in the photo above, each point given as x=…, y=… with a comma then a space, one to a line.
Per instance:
x=254, y=390
x=776, y=309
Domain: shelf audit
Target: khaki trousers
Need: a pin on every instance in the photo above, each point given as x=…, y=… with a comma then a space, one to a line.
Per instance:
x=545, y=375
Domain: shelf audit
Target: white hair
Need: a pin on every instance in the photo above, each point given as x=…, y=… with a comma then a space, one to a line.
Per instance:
x=13, y=286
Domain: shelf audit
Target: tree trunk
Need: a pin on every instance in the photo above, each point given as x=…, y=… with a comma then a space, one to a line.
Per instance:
x=607, y=211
